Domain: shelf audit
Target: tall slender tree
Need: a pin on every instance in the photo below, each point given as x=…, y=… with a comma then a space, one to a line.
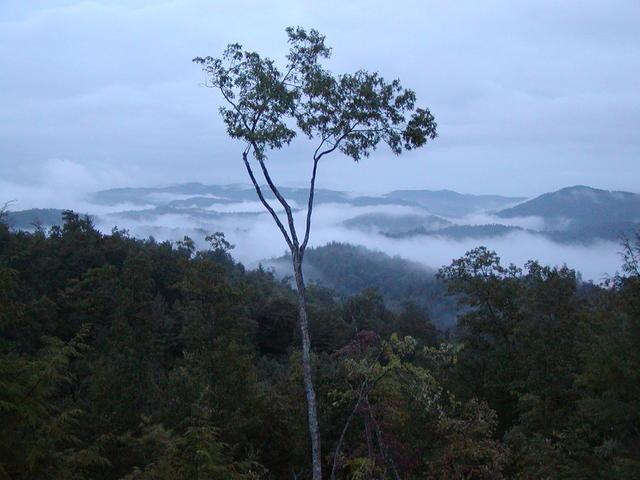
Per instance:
x=350, y=113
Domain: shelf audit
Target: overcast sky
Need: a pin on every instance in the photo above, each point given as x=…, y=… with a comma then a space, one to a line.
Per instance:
x=530, y=96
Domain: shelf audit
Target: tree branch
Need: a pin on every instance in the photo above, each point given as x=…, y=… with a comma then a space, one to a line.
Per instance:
x=294, y=238
x=365, y=387
x=264, y=201
x=312, y=187
x=361, y=395
x=386, y=458
x=316, y=159
x=228, y=99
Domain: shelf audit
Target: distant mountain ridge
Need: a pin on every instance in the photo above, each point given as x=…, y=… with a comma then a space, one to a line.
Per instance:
x=577, y=214
x=396, y=224
x=213, y=193
x=442, y=202
x=29, y=219
x=581, y=205
x=453, y=204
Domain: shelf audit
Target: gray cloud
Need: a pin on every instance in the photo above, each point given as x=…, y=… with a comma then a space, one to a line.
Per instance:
x=530, y=96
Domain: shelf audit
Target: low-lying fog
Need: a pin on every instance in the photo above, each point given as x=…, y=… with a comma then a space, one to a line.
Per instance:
x=256, y=238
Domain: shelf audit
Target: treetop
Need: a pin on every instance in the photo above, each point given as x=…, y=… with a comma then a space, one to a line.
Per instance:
x=352, y=112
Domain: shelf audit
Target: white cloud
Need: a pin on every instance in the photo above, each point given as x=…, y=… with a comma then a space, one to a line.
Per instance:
x=257, y=238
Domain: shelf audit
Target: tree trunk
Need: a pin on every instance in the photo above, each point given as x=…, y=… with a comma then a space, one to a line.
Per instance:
x=312, y=409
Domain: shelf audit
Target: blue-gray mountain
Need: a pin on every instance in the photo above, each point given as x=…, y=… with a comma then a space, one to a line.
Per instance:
x=581, y=206
x=573, y=214
x=448, y=203
x=195, y=195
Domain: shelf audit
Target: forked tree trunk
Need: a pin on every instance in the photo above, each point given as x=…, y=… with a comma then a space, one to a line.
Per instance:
x=297, y=252
x=312, y=409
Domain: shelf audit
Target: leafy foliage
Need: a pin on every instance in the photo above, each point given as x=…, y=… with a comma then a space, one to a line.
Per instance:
x=129, y=359
x=350, y=112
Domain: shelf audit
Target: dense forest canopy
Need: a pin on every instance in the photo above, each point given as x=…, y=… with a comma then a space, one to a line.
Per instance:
x=130, y=359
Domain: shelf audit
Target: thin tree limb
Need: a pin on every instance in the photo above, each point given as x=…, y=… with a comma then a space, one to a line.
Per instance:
x=312, y=187
x=336, y=452
x=316, y=160
x=383, y=449
x=264, y=201
x=363, y=392
x=284, y=203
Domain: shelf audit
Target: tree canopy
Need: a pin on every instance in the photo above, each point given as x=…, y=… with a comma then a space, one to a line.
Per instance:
x=132, y=359
x=349, y=112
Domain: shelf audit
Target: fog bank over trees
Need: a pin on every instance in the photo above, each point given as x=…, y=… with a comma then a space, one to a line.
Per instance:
x=397, y=226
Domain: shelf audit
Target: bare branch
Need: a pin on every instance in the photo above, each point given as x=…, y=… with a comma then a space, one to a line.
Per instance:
x=335, y=144
x=312, y=187
x=361, y=394
x=283, y=202
x=286, y=76
x=264, y=201
x=292, y=239
x=229, y=101
x=386, y=458
x=315, y=153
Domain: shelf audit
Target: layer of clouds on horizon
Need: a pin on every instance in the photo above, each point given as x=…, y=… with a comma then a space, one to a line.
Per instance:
x=257, y=240
x=530, y=96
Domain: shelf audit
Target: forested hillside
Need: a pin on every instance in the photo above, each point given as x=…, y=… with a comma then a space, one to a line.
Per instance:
x=351, y=269
x=131, y=359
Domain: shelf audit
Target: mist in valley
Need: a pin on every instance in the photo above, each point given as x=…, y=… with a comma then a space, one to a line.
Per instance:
x=257, y=239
